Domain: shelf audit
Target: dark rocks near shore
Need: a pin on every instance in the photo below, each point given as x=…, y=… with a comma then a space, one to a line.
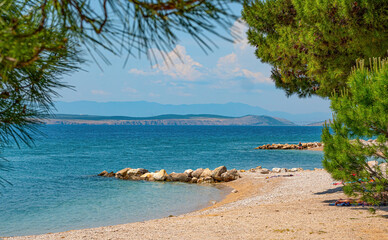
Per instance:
x=220, y=174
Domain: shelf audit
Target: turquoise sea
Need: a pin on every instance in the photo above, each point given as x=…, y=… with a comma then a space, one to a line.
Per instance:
x=55, y=187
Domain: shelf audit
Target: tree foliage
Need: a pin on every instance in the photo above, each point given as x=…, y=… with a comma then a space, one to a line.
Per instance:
x=312, y=44
x=360, y=111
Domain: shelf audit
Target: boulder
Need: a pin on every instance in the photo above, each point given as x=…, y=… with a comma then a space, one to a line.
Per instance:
x=200, y=180
x=197, y=173
x=283, y=170
x=264, y=171
x=194, y=180
x=111, y=174
x=208, y=180
x=122, y=173
x=161, y=175
x=252, y=170
x=258, y=167
x=206, y=173
x=188, y=172
x=292, y=170
x=230, y=175
x=147, y=177
x=216, y=173
x=276, y=170
x=103, y=173
x=179, y=177
x=135, y=174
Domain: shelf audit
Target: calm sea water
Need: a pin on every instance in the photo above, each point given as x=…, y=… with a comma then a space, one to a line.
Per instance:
x=55, y=188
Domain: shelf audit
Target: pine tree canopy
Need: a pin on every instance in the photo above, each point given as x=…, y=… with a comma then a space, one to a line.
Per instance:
x=312, y=45
x=360, y=112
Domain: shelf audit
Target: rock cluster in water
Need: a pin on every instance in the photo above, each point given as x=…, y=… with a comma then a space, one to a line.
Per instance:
x=220, y=174
x=291, y=146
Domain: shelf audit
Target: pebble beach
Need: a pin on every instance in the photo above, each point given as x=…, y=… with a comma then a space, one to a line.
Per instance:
x=259, y=206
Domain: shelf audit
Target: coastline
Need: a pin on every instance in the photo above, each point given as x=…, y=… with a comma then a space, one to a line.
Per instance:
x=277, y=208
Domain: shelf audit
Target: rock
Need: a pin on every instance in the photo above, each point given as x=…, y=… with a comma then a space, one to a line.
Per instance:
x=283, y=170
x=276, y=170
x=103, y=174
x=111, y=174
x=189, y=172
x=135, y=174
x=194, y=180
x=372, y=164
x=208, y=180
x=147, y=177
x=230, y=175
x=258, y=167
x=161, y=175
x=383, y=169
x=242, y=170
x=252, y=170
x=234, y=191
x=264, y=171
x=216, y=173
x=122, y=173
x=179, y=177
x=200, y=180
x=206, y=173
x=292, y=170
x=197, y=173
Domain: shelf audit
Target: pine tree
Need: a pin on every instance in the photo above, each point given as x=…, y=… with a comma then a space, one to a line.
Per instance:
x=312, y=45
x=360, y=112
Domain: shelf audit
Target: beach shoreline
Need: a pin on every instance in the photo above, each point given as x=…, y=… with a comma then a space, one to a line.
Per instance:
x=262, y=206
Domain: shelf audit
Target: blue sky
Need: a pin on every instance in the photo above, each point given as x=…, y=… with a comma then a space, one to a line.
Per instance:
x=231, y=73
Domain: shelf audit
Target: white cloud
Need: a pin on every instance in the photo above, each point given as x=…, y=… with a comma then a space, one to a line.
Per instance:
x=229, y=67
x=140, y=72
x=99, y=92
x=176, y=64
x=239, y=30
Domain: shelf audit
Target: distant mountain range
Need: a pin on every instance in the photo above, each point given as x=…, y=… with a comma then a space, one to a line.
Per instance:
x=148, y=109
x=170, y=120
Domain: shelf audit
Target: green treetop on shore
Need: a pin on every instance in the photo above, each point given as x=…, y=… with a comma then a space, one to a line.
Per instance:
x=312, y=45
x=360, y=111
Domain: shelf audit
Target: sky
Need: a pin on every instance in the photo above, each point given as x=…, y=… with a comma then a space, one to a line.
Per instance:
x=231, y=73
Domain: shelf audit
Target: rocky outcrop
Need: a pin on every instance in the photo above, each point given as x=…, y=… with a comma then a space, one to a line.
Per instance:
x=220, y=174
x=287, y=146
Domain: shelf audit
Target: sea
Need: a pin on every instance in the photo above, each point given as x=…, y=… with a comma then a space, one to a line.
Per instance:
x=53, y=185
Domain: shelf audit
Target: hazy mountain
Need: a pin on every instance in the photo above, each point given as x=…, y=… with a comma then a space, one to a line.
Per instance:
x=147, y=109
x=170, y=120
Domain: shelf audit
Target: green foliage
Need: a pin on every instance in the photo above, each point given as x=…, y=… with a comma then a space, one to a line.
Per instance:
x=360, y=111
x=312, y=44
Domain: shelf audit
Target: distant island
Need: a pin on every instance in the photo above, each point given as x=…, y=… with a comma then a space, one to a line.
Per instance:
x=169, y=120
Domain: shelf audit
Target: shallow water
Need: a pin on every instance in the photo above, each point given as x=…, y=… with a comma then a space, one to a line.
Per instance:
x=55, y=187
